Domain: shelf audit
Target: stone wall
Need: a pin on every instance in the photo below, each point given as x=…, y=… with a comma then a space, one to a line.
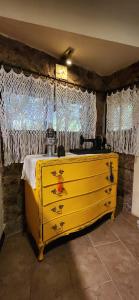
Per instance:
x=125, y=182
x=123, y=78
x=18, y=54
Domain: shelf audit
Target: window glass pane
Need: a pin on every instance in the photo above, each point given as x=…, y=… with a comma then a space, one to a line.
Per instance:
x=126, y=117
x=69, y=120
x=114, y=118
x=25, y=113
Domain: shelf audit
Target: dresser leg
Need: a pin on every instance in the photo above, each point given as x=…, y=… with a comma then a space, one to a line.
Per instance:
x=41, y=255
x=113, y=216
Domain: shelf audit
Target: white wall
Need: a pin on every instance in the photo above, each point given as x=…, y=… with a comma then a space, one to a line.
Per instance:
x=135, y=199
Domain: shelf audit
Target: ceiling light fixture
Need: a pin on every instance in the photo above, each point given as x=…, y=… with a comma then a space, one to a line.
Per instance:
x=66, y=57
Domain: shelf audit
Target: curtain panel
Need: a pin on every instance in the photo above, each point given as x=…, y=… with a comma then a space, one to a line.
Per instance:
x=75, y=115
x=123, y=121
x=27, y=107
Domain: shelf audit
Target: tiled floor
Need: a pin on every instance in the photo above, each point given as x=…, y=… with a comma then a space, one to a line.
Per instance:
x=101, y=264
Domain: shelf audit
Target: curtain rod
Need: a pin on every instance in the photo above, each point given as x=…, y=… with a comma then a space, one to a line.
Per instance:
x=45, y=76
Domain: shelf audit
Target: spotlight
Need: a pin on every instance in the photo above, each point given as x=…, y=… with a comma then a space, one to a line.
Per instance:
x=68, y=62
x=66, y=56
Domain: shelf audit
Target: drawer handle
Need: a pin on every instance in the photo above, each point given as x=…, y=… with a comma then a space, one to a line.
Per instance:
x=61, y=206
x=107, y=164
x=58, y=211
x=53, y=209
x=61, y=172
x=107, y=203
x=54, y=173
x=62, y=224
x=108, y=191
x=60, y=227
x=54, y=191
x=54, y=227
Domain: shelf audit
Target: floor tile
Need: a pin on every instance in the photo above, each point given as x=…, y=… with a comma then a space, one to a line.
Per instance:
x=85, y=267
x=130, y=218
x=15, y=286
x=16, y=255
x=107, y=291
x=56, y=254
x=128, y=235
x=103, y=234
x=122, y=267
x=50, y=279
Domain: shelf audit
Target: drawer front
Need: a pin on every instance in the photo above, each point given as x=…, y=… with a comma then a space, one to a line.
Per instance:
x=76, y=171
x=76, y=188
x=79, y=219
x=64, y=207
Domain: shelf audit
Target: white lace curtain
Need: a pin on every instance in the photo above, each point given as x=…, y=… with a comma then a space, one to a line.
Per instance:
x=28, y=105
x=123, y=121
x=25, y=106
x=75, y=115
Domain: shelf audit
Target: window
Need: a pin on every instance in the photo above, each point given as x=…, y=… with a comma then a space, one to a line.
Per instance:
x=25, y=113
x=69, y=121
x=120, y=117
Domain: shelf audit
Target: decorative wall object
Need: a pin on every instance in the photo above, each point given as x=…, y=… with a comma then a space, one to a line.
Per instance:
x=61, y=72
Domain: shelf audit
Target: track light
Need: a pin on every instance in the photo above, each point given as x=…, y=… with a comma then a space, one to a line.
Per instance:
x=66, y=57
x=68, y=62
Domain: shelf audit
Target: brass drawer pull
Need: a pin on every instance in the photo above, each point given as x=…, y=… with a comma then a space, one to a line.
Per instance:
x=60, y=227
x=62, y=224
x=58, y=211
x=107, y=203
x=54, y=191
x=54, y=227
x=61, y=206
x=61, y=172
x=54, y=173
x=53, y=209
x=108, y=191
x=107, y=164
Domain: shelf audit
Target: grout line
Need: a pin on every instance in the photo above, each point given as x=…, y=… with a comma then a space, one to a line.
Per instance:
x=106, y=243
x=126, y=248
x=103, y=264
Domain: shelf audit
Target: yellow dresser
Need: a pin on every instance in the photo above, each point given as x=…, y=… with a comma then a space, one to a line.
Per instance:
x=70, y=193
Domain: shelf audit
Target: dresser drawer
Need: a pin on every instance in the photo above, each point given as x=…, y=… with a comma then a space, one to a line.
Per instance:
x=78, y=220
x=64, y=207
x=74, y=171
x=76, y=188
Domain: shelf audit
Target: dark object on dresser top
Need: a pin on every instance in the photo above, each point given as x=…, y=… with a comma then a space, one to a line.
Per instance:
x=60, y=151
x=89, y=151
